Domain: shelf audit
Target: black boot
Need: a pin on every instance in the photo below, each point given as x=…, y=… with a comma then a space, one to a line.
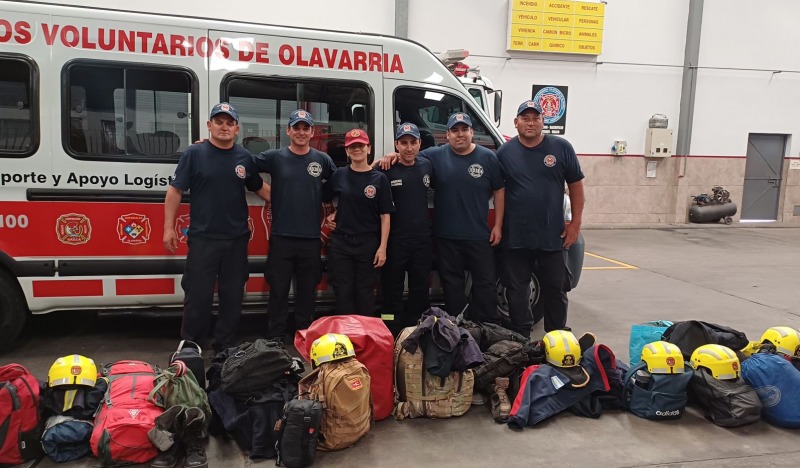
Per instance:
x=195, y=435
x=166, y=435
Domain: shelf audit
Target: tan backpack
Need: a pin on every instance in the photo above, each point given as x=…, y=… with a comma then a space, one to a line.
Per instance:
x=418, y=393
x=343, y=389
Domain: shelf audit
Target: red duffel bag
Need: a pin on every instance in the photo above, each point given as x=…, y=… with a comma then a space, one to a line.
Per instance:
x=374, y=346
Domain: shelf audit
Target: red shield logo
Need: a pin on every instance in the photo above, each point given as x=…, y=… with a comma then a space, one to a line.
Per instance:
x=182, y=228
x=133, y=228
x=671, y=361
x=75, y=370
x=73, y=229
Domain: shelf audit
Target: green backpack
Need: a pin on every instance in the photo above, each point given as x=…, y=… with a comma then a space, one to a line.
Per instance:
x=177, y=386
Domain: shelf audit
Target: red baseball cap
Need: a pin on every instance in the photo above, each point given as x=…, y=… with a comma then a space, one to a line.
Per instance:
x=356, y=135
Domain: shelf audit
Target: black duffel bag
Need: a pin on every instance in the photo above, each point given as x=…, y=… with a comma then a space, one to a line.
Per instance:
x=252, y=367
x=691, y=334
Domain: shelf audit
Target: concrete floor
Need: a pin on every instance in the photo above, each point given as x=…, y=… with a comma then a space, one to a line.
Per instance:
x=743, y=277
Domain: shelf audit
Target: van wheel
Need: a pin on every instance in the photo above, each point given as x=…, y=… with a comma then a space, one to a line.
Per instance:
x=502, y=299
x=13, y=310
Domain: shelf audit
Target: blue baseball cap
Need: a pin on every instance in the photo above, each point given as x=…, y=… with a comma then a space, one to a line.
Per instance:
x=300, y=115
x=459, y=118
x=407, y=129
x=224, y=108
x=529, y=104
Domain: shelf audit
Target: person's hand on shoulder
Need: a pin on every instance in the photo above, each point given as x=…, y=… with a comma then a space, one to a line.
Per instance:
x=387, y=161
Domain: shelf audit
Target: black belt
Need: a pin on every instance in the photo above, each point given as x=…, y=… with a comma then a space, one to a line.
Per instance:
x=354, y=237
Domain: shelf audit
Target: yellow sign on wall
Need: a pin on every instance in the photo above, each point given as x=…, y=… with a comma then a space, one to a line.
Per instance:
x=556, y=26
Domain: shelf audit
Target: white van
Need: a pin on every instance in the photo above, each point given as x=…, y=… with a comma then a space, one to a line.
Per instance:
x=96, y=107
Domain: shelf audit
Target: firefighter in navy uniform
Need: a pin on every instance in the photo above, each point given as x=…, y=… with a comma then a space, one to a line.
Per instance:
x=216, y=172
x=359, y=242
x=410, y=245
x=297, y=174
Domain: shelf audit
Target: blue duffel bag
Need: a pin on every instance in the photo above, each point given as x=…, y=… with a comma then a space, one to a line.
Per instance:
x=777, y=384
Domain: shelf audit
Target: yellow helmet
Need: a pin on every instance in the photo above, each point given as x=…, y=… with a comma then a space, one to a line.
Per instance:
x=561, y=348
x=663, y=358
x=720, y=360
x=72, y=370
x=331, y=347
x=751, y=348
x=785, y=339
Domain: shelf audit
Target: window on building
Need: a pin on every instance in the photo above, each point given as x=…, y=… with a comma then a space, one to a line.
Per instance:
x=429, y=110
x=18, y=110
x=264, y=105
x=129, y=113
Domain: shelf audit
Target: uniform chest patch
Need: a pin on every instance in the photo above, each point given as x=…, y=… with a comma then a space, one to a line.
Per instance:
x=314, y=169
x=426, y=180
x=240, y=171
x=370, y=191
x=549, y=160
x=475, y=170
x=397, y=182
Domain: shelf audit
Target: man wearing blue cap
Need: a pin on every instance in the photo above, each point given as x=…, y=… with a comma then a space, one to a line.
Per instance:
x=216, y=172
x=465, y=178
x=410, y=244
x=535, y=167
x=297, y=173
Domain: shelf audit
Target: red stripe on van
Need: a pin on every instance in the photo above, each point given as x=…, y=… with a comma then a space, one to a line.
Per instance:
x=257, y=285
x=67, y=288
x=141, y=286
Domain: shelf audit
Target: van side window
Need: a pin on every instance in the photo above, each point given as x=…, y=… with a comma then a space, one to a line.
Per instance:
x=128, y=113
x=429, y=110
x=18, y=107
x=264, y=105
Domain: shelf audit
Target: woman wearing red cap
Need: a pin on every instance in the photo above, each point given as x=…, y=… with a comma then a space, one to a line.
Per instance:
x=358, y=248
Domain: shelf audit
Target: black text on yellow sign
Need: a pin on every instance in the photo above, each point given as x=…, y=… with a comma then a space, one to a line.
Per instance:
x=556, y=26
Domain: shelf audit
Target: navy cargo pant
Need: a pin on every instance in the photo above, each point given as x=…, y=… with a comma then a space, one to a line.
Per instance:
x=292, y=257
x=210, y=261
x=351, y=273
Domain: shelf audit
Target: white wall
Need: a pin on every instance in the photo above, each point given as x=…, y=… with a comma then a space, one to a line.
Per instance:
x=373, y=16
x=611, y=96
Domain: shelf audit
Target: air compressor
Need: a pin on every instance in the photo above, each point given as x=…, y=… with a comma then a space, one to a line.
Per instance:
x=713, y=208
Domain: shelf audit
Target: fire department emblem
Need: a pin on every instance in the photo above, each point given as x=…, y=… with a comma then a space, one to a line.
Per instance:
x=314, y=169
x=224, y=107
x=182, y=228
x=251, y=226
x=240, y=171
x=549, y=160
x=301, y=114
x=133, y=228
x=355, y=133
x=75, y=370
x=671, y=362
x=406, y=128
x=426, y=180
x=459, y=117
x=370, y=191
x=355, y=383
x=73, y=229
x=553, y=104
x=475, y=170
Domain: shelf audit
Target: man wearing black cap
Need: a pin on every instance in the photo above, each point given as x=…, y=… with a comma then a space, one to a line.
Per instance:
x=465, y=178
x=410, y=244
x=216, y=172
x=297, y=173
x=535, y=167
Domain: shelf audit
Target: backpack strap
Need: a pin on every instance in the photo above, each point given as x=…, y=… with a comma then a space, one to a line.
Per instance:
x=628, y=384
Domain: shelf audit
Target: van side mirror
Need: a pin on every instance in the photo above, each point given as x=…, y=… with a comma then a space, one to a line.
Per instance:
x=498, y=106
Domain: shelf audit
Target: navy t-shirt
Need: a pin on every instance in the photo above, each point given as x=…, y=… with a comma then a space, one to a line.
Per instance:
x=535, y=177
x=363, y=198
x=463, y=187
x=296, y=189
x=216, y=179
x=410, y=195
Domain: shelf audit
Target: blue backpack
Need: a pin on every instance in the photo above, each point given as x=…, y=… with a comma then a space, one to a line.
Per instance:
x=777, y=384
x=655, y=396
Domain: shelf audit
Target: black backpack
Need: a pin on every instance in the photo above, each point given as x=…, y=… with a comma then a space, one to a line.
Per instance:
x=298, y=431
x=500, y=360
x=487, y=334
x=190, y=353
x=253, y=367
x=692, y=334
x=727, y=403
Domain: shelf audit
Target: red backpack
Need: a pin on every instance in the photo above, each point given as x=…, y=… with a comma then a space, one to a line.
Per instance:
x=125, y=416
x=20, y=430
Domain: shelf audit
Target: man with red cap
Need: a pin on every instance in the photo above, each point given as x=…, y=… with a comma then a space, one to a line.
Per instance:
x=358, y=247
